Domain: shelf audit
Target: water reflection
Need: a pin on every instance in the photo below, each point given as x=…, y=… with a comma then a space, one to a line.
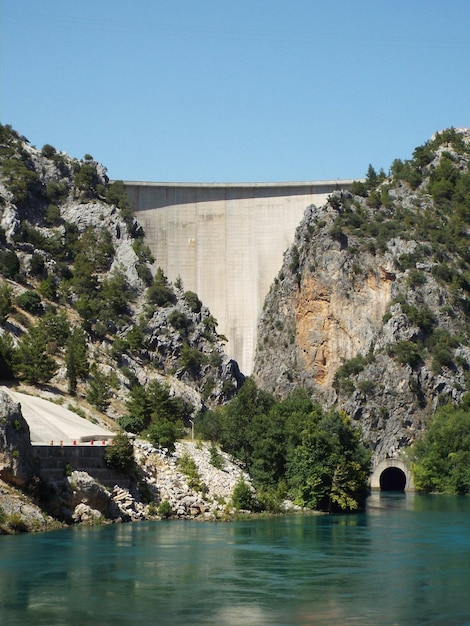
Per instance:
x=406, y=560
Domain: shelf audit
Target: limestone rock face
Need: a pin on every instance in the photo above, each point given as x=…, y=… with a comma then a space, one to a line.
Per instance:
x=369, y=310
x=15, y=445
x=70, y=237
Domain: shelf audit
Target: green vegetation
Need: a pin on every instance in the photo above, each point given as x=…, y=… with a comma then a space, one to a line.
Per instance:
x=293, y=447
x=160, y=293
x=441, y=459
x=76, y=358
x=188, y=467
x=164, y=509
x=99, y=392
x=242, y=497
x=153, y=412
x=6, y=303
x=120, y=454
x=31, y=360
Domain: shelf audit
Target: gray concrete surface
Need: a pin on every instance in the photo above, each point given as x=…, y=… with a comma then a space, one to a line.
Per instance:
x=226, y=241
x=49, y=422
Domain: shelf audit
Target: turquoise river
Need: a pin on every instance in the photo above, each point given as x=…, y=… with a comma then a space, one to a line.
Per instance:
x=405, y=561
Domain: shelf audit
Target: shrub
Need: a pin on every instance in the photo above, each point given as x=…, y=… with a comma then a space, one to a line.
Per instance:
x=6, y=304
x=160, y=293
x=164, y=509
x=48, y=151
x=216, y=459
x=191, y=359
x=242, y=497
x=9, y=264
x=36, y=266
x=30, y=301
x=98, y=393
x=416, y=278
x=193, y=301
x=406, y=353
x=188, y=467
x=180, y=322
x=164, y=433
x=52, y=215
x=120, y=454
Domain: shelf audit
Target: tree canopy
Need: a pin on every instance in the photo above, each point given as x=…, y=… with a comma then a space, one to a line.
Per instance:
x=441, y=459
x=293, y=447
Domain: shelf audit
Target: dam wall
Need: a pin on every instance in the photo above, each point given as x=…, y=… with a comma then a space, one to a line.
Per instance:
x=226, y=242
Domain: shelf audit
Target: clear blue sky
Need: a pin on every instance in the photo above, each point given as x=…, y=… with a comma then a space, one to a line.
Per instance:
x=246, y=90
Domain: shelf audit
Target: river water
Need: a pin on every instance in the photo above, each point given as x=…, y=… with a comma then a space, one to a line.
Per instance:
x=405, y=561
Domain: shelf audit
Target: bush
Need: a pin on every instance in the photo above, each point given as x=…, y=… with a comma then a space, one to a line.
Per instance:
x=406, y=353
x=9, y=264
x=191, y=359
x=188, y=467
x=193, y=301
x=164, y=433
x=164, y=509
x=216, y=459
x=52, y=215
x=160, y=293
x=180, y=322
x=36, y=266
x=30, y=301
x=98, y=393
x=242, y=497
x=120, y=454
x=6, y=304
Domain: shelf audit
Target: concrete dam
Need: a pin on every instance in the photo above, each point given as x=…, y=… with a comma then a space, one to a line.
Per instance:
x=226, y=242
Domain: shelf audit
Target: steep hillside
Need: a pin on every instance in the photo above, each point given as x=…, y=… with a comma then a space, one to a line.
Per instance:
x=371, y=308
x=82, y=307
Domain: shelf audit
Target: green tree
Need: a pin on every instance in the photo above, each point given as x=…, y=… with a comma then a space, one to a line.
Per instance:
x=120, y=454
x=116, y=194
x=139, y=408
x=86, y=180
x=164, y=433
x=7, y=352
x=99, y=390
x=242, y=496
x=55, y=330
x=30, y=301
x=193, y=301
x=31, y=361
x=9, y=264
x=191, y=359
x=238, y=420
x=328, y=469
x=441, y=459
x=160, y=293
x=6, y=303
x=76, y=358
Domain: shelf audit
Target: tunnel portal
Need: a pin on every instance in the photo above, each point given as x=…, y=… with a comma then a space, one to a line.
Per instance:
x=392, y=475
x=392, y=479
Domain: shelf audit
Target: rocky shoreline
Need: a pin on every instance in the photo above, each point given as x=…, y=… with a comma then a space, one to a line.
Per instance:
x=79, y=498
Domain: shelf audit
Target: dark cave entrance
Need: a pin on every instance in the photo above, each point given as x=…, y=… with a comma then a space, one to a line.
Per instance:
x=392, y=479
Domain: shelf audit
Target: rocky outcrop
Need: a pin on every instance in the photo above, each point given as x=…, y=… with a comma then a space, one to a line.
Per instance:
x=79, y=498
x=66, y=233
x=369, y=310
x=16, y=459
x=210, y=498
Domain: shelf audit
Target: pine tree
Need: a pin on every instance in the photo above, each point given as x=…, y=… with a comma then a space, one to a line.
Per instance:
x=76, y=358
x=31, y=359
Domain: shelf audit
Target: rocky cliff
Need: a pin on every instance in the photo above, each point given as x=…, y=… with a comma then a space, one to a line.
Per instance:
x=370, y=310
x=72, y=256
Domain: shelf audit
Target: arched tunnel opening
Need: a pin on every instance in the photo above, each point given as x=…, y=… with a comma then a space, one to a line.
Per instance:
x=392, y=479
